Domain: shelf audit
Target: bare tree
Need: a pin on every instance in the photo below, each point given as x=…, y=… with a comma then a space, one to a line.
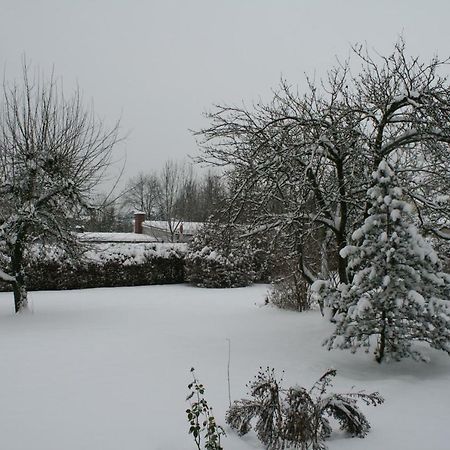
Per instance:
x=301, y=164
x=199, y=197
x=175, y=194
x=142, y=193
x=106, y=215
x=187, y=201
x=183, y=197
x=53, y=153
x=170, y=180
x=212, y=194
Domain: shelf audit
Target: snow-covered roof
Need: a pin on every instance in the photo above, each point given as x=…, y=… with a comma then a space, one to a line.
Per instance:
x=188, y=227
x=114, y=237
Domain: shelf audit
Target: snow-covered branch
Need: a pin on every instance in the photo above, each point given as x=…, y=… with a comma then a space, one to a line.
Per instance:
x=5, y=277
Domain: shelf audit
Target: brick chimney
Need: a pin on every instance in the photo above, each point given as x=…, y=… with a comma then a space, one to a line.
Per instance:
x=139, y=218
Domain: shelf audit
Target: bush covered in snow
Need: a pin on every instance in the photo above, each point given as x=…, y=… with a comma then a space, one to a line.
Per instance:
x=104, y=265
x=218, y=258
x=297, y=417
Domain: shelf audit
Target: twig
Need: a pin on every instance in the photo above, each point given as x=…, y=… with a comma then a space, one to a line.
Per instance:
x=228, y=371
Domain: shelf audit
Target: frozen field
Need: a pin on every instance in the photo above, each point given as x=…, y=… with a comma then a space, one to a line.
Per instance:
x=107, y=369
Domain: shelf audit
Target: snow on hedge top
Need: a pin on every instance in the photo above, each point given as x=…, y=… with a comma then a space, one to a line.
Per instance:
x=114, y=237
x=126, y=253
x=130, y=254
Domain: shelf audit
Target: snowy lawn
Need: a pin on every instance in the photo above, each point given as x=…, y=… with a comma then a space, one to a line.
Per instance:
x=107, y=369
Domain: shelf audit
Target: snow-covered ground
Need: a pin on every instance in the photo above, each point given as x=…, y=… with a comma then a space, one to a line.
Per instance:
x=107, y=369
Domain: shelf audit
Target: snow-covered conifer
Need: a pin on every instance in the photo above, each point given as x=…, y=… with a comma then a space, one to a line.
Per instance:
x=397, y=294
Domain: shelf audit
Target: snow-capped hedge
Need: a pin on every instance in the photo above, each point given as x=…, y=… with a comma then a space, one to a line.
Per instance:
x=105, y=265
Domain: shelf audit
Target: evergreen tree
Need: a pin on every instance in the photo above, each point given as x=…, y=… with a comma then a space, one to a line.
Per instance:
x=397, y=291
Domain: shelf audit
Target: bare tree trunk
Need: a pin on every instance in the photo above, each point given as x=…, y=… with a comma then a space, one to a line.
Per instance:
x=18, y=286
x=384, y=320
x=20, y=296
x=341, y=235
x=382, y=340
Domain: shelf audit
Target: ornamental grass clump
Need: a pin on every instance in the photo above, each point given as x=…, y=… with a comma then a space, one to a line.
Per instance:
x=296, y=417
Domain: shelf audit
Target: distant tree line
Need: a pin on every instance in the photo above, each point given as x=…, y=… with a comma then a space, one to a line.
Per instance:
x=175, y=193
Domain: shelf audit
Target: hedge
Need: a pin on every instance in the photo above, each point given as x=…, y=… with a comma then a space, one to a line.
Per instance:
x=105, y=265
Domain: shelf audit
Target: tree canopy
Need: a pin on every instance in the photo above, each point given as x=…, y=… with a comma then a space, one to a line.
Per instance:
x=301, y=163
x=53, y=153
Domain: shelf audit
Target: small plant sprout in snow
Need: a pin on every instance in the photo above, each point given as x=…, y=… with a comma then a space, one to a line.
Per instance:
x=397, y=291
x=297, y=417
x=202, y=424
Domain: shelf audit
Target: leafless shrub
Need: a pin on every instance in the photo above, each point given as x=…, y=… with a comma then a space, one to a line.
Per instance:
x=290, y=293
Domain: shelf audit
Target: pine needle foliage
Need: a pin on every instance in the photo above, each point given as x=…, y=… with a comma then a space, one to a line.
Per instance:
x=296, y=417
x=398, y=293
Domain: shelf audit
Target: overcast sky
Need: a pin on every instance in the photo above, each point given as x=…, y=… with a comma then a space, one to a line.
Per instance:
x=160, y=64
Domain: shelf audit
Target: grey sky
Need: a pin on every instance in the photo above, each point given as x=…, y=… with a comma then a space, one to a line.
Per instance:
x=160, y=64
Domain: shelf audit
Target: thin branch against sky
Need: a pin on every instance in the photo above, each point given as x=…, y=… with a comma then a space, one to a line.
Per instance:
x=159, y=65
